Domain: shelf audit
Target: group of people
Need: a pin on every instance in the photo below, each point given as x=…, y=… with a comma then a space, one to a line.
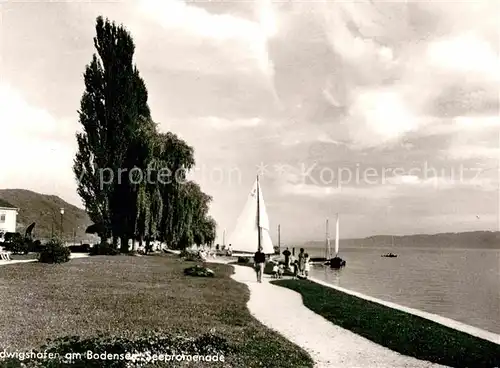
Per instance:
x=301, y=266
x=206, y=254
x=228, y=251
x=278, y=271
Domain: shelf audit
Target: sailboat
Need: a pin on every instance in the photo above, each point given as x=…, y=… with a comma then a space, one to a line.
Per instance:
x=337, y=262
x=390, y=254
x=326, y=259
x=252, y=227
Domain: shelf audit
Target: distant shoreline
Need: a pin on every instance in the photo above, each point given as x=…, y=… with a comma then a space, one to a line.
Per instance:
x=399, y=247
x=461, y=240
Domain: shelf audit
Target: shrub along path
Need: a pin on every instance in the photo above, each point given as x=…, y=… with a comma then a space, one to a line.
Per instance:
x=125, y=295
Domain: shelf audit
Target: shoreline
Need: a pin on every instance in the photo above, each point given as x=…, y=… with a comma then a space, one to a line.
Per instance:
x=394, y=329
x=330, y=345
x=445, y=321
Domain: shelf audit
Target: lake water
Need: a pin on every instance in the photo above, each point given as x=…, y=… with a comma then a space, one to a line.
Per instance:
x=461, y=284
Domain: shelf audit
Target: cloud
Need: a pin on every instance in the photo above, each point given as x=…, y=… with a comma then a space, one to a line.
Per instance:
x=378, y=117
x=224, y=124
x=378, y=193
x=307, y=134
x=461, y=152
x=380, y=186
x=382, y=84
x=35, y=146
x=451, y=180
x=464, y=53
x=198, y=23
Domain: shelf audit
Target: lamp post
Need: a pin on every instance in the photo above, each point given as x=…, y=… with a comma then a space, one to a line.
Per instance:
x=62, y=213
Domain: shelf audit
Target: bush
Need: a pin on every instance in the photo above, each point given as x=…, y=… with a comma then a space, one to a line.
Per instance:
x=16, y=244
x=54, y=252
x=20, y=247
x=243, y=259
x=190, y=255
x=36, y=246
x=151, y=342
x=84, y=248
x=136, y=253
x=199, y=271
x=104, y=249
x=12, y=237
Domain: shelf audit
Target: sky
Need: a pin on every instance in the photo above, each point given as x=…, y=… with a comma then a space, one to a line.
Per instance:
x=384, y=112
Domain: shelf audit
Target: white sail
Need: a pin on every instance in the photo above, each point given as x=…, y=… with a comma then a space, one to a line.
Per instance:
x=263, y=218
x=337, y=236
x=245, y=236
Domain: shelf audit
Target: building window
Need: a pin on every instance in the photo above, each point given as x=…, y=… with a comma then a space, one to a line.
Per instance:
x=2, y=218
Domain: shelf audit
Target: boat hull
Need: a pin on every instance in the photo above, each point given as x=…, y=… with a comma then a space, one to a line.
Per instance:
x=337, y=263
x=318, y=260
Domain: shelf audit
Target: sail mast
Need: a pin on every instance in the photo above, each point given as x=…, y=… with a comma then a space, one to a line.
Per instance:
x=224, y=237
x=337, y=235
x=327, y=240
x=279, y=240
x=258, y=213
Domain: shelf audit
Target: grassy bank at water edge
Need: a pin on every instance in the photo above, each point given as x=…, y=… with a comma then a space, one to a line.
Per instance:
x=399, y=331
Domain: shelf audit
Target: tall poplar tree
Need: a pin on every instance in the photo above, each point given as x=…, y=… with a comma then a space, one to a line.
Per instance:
x=115, y=118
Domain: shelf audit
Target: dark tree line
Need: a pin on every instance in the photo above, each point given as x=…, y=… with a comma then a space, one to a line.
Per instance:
x=131, y=177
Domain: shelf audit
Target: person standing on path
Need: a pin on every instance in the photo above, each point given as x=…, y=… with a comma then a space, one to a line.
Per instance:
x=302, y=262
x=287, y=255
x=259, y=261
x=307, y=266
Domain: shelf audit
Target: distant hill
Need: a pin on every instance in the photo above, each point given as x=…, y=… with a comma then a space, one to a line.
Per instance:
x=45, y=211
x=472, y=239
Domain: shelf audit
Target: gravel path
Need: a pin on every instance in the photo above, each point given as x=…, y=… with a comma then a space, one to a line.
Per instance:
x=330, y=346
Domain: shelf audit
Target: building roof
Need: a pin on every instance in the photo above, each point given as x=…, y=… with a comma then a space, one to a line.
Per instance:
x=5, y=204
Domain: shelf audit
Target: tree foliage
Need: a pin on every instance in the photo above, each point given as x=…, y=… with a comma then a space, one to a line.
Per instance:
x=131, y=177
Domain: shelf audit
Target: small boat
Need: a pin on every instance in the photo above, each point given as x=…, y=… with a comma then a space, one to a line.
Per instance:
x=336, y=262
x=390, y=254
x=323, y=261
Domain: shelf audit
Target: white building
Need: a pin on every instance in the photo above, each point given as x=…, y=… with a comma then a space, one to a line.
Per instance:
x=8, y=218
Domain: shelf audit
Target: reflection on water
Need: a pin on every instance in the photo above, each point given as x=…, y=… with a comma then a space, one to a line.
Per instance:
x=330, y=275
x=462, y=284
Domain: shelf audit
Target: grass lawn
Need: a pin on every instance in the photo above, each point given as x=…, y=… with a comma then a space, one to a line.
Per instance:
x=399, y=331
x=124, y=295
